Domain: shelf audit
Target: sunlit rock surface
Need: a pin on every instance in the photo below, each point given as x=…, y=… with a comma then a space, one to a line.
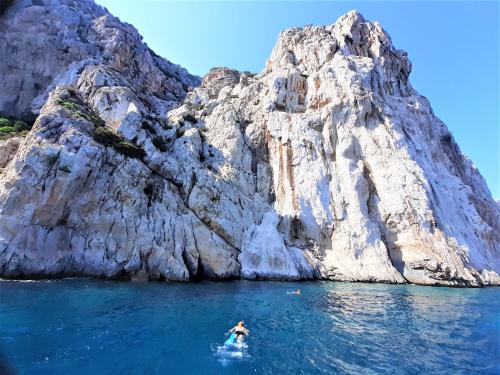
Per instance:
x=325, y=165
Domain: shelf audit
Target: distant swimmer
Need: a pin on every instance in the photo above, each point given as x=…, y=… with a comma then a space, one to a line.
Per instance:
x=238, y=332
x=297, y=292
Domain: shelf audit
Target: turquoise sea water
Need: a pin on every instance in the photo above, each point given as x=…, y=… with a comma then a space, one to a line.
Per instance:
x=104, y=327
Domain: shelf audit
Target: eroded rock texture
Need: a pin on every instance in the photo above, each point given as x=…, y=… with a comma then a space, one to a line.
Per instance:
x=325, y=165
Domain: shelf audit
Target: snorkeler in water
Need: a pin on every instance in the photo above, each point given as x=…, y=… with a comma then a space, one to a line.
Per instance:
x=297, y=292
x=240, y=331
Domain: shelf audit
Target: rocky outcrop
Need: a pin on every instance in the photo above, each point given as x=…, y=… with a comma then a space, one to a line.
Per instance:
x=96, y=208
x=75, y=37
x=325, y=165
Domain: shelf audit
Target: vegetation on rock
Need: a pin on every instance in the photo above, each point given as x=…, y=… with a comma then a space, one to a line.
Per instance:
x=109, y=138
x=79, y=111
x=103, y=135
x=10, y=127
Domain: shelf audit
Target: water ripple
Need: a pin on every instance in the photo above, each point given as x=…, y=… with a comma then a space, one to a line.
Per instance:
x=81, y=327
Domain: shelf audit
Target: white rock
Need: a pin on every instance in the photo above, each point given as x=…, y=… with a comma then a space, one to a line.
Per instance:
x=265, y=255
x=327, y=164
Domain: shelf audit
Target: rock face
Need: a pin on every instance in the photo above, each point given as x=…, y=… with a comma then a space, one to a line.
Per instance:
x=325, y=165
x=79, y=38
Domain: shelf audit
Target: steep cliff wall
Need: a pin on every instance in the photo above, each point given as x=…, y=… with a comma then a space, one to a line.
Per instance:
x=325, y=165
x=45, y=43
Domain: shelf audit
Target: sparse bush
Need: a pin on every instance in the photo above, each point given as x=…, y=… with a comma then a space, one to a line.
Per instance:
x=109, y=138
x=96, y=120
x=10, y=127
x=82, y=115
x=69, y=105
x=129, y=149
x=4, y=122
x=7, y=129
x=106, y=136
x=78, y=111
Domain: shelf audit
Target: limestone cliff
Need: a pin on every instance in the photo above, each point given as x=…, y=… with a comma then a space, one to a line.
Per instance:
x=325, y=165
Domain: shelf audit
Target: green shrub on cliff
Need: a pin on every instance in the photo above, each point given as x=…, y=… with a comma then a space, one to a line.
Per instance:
x=129, y=149
x=77, y=109
x=101, y=134
x=7, y=129
x=10, y=127
x=107, y=137
x=95, y=119
x=4, y=122
x=69, y=105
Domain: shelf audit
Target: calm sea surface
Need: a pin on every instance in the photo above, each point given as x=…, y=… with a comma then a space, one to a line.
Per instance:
x=104, y=327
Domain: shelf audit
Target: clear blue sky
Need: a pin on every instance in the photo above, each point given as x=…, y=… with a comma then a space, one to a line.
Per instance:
x=453, y=45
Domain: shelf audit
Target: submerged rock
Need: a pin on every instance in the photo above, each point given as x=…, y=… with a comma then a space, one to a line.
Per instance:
x=327, y=164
